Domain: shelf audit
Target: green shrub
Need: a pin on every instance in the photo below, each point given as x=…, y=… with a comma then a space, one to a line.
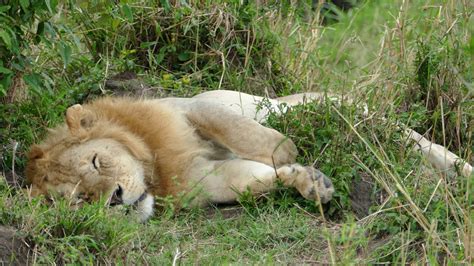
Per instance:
x=209, y=42
x=23, y=23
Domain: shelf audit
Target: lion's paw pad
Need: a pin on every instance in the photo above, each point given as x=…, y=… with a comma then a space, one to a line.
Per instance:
x=320, y=185
x=310, y=182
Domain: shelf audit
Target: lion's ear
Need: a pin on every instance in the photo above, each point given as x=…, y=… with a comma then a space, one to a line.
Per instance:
x=79, y=119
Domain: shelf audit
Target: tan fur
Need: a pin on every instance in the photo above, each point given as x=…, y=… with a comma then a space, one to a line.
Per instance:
x=165, y=147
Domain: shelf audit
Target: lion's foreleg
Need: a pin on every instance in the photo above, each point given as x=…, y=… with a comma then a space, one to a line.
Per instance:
x=225, y=181
x=241, y=135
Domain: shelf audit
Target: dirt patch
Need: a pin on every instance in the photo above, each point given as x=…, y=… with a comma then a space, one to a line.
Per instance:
x=362, y=197
x=128, y=84
x=13, y=248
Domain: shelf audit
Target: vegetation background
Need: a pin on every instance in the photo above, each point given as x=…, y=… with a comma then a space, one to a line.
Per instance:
x=411, y=62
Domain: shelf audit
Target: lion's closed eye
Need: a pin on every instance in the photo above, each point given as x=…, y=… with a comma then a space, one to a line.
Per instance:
x=96, y=162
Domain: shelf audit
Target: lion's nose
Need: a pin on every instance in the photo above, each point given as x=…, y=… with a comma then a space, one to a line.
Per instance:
x=116, y=198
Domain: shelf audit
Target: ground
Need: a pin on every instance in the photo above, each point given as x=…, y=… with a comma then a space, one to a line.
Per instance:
x=13, y=248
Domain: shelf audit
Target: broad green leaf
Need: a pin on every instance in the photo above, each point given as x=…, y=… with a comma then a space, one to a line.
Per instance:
x=6, y=39
x=5, y=70
x=157, y=29
x=145, y=45
x=65, y=52
x=39, y=32
x=161, y=55
x=127, y=11
x=5, y=83
x=184, y=56
x=48, y=4
x=24, y=4
x=3, y=91
x=115, y=23
x=34, y=82
x=166, y=5
x=4, y=8
x=51, y=4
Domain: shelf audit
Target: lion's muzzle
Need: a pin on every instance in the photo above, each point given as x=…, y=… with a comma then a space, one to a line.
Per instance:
x=143, y=205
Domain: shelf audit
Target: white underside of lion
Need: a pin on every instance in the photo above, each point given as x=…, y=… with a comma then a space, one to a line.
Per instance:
x=225, y=153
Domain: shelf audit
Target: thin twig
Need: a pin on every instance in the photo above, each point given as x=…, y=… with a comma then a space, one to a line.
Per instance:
x=14, y=149
x=177, y=256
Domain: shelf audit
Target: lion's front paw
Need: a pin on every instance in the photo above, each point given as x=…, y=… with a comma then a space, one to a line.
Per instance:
x=321, y=186
x=310, y=182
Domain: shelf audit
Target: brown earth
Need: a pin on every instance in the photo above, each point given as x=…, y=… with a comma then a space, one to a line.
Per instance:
x=129, y=84
x=13, y=248
x=361, y=196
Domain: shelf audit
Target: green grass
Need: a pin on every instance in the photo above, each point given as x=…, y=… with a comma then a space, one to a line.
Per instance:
x=409, y=61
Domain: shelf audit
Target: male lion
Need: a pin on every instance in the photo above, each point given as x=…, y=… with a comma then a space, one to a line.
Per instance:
x=132, y=150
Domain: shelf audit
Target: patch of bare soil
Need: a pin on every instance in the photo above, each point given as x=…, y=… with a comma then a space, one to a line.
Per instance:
x=361, y=197
x=129, y=84
x=13, y=249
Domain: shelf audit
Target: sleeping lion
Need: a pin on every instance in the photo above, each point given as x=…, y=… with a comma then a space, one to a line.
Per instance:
x=209, y=146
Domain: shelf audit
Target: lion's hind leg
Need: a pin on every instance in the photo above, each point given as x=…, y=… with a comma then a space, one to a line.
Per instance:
x=224, y=181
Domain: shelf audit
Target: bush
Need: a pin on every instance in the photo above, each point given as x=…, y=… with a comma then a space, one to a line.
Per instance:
x=210, y=42
x=23, y=23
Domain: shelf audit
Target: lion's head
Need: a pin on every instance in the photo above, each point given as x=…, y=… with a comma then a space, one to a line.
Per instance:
x=91, y=158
